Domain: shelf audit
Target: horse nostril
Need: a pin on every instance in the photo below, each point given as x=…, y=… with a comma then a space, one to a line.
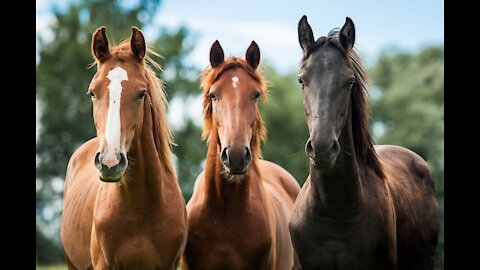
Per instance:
x=123, y=160
x=248, y=156
x=97, y=161
x=224, y=157
x=309, y=149
x=335, y=146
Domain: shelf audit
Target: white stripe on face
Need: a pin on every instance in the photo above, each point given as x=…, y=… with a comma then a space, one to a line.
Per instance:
x=113, y=128
x=235, y=81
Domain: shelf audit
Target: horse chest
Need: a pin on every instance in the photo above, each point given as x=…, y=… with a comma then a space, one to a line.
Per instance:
x=132, y=242
x=328, y=243
x=229, y=243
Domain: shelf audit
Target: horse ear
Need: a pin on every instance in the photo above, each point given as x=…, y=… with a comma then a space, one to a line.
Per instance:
x=347, y=34
x=253, y=55
x=305, y=34
x=137, y=44
x=216, y=54
x=100, y=49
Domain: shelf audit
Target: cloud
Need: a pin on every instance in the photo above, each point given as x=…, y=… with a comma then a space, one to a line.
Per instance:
x=277, y=40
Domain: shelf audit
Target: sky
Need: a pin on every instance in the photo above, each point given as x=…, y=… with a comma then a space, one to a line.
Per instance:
x=380, y=24
x=406, y=25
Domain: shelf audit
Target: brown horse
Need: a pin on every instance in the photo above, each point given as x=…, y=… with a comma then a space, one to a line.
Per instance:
x=135, y=217
x=363, y=206
x=238, y=214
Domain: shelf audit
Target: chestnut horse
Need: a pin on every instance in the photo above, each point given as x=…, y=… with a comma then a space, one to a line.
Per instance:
x=239, y=211
x=363, y=206
x=123, y=208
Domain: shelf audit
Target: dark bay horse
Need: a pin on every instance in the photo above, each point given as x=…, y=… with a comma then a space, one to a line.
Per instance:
x=238, y=214
x=123, y=208
x=364, y=206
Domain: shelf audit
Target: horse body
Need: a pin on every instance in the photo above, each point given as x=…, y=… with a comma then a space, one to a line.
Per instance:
x=81, y=187
x=238, y=220
x=416, y=209
x=139, y=221
x=344, y=219
x=244, y=227
x=363, y=206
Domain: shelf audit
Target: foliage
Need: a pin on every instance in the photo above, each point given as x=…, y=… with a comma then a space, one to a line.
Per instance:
x=287, y=131
x=46, y=250
x=409, y=105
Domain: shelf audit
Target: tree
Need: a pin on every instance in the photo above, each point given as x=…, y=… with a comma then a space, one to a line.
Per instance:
x=62, y=75
x=287, y=131
x=407, y=110
x=184, y=88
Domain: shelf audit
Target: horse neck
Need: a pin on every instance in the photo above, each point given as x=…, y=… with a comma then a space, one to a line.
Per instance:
x=143, y=183
x=338, y=189
x=223, y=195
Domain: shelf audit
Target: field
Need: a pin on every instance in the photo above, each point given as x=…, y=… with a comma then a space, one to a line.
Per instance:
x=59, y=267
x=52, y=267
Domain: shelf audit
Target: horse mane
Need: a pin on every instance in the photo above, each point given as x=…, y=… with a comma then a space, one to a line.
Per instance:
x=210, y=75
x=362, y=140
x=156, y=90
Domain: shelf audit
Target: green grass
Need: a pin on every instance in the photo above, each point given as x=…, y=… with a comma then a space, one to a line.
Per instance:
x=52, y=267
x=60, y=267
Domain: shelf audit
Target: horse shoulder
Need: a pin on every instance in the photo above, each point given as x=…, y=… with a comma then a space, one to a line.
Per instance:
x=411, y=185
x=282, y=190
x=280, y=178
x=198, y=193
x=79, y=197
x=194, y=208
x=401, y=164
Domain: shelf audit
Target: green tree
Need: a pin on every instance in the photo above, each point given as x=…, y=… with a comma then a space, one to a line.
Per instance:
x=62, y=79
x=287, y=131
x=182, y=84
x=407, y=110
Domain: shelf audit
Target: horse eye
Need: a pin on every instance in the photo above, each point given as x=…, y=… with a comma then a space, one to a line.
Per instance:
x=91, y=94
x=212, y=95
x=141, y=95
x=257, y=95
x=351, y=82
x=300, y=81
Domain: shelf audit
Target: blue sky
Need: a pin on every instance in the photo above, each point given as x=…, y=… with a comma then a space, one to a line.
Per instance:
x=406, y=25
x=380, y=24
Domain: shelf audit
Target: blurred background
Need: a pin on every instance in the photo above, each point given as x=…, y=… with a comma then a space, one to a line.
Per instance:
x=401, y=44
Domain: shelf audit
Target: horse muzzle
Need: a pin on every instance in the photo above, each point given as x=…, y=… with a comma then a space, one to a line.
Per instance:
x=236, y=160
x=111, y=167
x=323, y=154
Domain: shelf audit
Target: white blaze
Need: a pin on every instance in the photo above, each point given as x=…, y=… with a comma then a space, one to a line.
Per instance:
x=234, y=81
x=113, y=128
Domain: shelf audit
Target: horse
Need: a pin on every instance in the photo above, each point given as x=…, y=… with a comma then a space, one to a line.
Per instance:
x=123, y=208
x=239, y=211
x=363, y=206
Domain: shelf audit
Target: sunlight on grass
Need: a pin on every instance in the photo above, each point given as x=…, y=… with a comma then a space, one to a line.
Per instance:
x=61, y=267
x=52, y=267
